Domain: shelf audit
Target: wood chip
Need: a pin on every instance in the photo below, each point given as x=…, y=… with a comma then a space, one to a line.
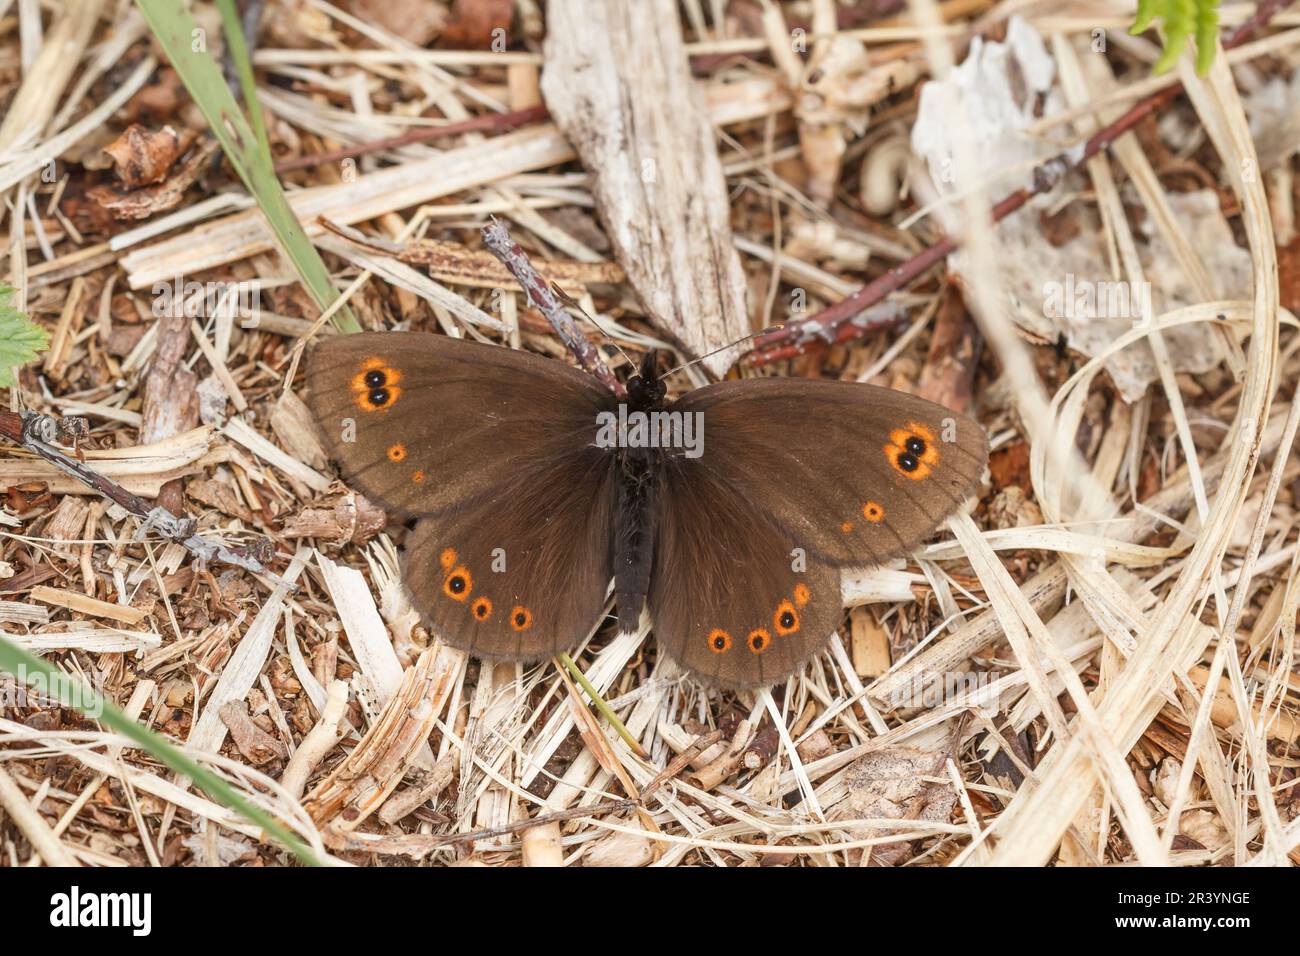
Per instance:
x=88, y=605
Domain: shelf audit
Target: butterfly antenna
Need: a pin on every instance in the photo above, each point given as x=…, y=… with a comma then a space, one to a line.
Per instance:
x=569, y=301
x=723, y=348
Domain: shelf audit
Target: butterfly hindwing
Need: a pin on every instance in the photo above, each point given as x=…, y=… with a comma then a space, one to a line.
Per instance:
x=523, y=575
x=730, y=599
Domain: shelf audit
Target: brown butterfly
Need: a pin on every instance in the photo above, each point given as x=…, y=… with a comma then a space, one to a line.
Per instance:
x=728, y=512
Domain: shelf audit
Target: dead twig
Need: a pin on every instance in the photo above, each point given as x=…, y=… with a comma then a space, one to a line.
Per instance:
x=494, y=122
x=498, y=239
x=35, y=433
x=329, y=730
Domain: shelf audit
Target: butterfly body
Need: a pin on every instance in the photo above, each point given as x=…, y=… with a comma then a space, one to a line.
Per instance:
x=728, y=513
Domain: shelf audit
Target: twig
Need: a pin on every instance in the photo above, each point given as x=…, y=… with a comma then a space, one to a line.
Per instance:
x=679, y=763
x=35, y=432
x=422, y=843
x=840, y=323
x=497, y=238
x=495, y=122
x=33, y=825
x=401, y=805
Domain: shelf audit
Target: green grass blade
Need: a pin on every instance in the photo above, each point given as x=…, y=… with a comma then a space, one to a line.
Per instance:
x=182, y=39
x=233, y=29
x=36, y=672
x=600, y=703
x=1180, y=19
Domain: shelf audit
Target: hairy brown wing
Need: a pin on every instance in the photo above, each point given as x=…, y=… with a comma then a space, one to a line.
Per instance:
x=795, y=480
x=421, y=423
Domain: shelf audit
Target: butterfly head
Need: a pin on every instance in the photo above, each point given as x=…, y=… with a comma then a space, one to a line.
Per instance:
x=645, y=390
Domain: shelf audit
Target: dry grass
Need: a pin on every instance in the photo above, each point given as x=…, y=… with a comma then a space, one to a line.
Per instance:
x=1095, y=666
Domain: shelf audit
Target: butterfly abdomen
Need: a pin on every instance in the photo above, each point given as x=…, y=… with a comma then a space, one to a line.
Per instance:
x=634, y=533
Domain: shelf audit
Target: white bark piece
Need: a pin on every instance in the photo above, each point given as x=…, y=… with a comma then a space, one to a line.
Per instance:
x=247, y=661
x=618, y=83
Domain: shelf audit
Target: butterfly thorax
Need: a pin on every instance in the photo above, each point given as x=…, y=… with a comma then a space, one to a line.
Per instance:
x=645, y=392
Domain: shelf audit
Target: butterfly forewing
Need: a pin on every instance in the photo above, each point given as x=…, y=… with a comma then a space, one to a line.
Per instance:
x=420, y=423
x=491, y=449
x=855, y=474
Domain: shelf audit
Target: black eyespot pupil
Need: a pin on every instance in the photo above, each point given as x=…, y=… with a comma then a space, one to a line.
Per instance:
x=719, y=642
x=907, y=462
x=519, y=619
x=457, y=584
x=375, y=379
x=787, y=619
x=916, y=446
x=379, y=396
x=756, y=642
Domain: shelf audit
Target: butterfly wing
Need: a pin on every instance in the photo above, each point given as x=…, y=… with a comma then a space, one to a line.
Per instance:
x=420, y=423
x=795, y=480
x=853, y=473
x=524, y=574
x=727, y=598
x=491, y=449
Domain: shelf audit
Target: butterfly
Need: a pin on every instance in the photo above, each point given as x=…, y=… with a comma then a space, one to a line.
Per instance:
x=727, y=514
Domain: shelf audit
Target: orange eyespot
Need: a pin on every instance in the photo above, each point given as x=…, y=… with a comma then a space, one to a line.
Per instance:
x=758, y=640
x=481, y=609
x=417, y=477
x=719, y=641
x=396, y=452
x=873, y=512
x=447, y=559
x=375, y=386
x=521, y=619
x=801, y=594
x=912, y=451
x=458, y=584
x=846, y=527
x=786, y=619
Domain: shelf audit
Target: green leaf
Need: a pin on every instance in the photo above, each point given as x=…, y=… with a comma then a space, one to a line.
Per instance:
x=1180, y=20
x=21, y=339
x=48, y=680
x=186, y=47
